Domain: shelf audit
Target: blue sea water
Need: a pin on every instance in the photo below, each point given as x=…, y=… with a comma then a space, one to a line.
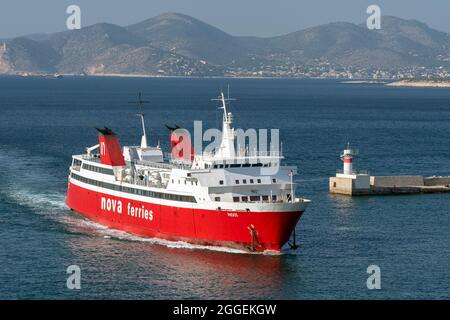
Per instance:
x=397, y=131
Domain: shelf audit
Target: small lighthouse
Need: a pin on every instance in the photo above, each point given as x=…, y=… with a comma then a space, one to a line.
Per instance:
x=347, y=157
x=350, y=182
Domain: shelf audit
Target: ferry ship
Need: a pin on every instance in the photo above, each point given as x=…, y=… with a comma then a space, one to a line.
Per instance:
x=226, y=198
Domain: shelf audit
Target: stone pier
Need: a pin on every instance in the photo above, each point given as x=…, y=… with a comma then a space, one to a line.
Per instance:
x=363, y=184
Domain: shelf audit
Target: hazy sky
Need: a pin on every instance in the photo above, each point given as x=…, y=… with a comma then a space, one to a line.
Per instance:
x=238, y=17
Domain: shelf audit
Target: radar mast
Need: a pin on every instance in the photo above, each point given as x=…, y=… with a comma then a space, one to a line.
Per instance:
x=140, y=102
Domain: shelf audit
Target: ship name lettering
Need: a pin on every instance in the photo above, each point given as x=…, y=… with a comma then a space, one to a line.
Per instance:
x=111, y=205
x=140, y=212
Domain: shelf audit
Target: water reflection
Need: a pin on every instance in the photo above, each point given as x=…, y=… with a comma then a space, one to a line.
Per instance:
x=146, y=270
x=342, y=201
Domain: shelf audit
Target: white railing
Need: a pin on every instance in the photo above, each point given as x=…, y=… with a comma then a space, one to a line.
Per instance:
x=247, y=154
x=340, y=171
x=161, y=165
x=90, y=157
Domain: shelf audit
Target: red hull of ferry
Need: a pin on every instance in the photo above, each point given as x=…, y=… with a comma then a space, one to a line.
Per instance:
x=197, y=226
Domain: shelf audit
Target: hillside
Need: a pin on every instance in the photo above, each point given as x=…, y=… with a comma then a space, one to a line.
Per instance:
x=174, y=44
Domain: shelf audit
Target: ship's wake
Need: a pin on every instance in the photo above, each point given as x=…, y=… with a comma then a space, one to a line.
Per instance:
x=114, y=234
x=26, y=181
x=124, y=236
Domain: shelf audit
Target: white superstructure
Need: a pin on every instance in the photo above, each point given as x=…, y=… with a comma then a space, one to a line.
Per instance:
x=229, y=179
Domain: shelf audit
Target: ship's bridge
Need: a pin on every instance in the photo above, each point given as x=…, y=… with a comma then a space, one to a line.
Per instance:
x=244, y=159
x=227, y=155
x=235, y=174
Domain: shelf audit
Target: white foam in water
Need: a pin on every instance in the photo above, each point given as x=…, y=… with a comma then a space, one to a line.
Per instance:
x=27, y=198
x=17, y=183
x=108, y=233
x=53, y=204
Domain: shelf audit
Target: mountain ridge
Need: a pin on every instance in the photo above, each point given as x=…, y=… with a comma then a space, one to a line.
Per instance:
x=174, y=44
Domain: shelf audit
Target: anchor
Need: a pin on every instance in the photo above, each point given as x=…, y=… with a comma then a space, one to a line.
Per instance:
x=293, y=245
x=253, y=235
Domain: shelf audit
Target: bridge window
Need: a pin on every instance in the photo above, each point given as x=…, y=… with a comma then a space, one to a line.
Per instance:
x=244, y=181
x=252, y=181
x=265, y=198
x=255, y=198
x=274, y=198
x=274, y=180
x=244, y=199
x=220, y=181
x=259, y=180
x=217, y=199
x=237, y=181
x=235, y=199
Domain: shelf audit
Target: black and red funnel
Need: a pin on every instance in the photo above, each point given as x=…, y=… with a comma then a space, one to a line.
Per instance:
x=110, y=151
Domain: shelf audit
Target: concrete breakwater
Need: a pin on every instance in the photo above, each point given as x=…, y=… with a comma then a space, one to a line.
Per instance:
x=354, y=183
x=363, y=184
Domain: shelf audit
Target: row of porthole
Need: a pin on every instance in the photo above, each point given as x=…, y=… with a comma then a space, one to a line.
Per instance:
x=244, y=181
x=185, y=182
x=251, y=198
x=235, y=165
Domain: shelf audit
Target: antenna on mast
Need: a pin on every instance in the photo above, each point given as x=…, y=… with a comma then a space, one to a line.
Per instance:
x=224, y=101
x=140, y=102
